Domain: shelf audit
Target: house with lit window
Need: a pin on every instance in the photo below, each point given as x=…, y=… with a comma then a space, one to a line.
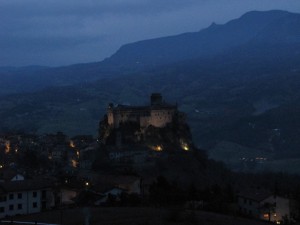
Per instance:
x=264, y=205
x=25, y=197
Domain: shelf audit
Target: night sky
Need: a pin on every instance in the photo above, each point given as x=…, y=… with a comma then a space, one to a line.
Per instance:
x=54, y=33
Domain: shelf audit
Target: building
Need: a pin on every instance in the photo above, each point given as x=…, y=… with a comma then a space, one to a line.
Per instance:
x=265, y=206
x=157, y=114
x=25, y=197
x=8, y=174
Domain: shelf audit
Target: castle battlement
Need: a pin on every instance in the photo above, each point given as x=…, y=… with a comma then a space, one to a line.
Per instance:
x=157, y=114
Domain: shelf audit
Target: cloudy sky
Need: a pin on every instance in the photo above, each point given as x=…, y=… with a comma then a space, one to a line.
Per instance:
x=54, y=33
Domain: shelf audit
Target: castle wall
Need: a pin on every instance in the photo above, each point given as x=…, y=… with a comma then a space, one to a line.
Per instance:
x=121, y=117
x=158, y=114
x=160, y=117
x=157, y=117
x=110, y=117
x=144, y=121
x=115, y=117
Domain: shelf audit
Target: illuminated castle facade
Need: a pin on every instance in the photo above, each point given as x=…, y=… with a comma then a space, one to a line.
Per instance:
x=157, y=114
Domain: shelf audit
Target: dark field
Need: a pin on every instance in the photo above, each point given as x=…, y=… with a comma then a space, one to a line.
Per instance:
x=136, y=216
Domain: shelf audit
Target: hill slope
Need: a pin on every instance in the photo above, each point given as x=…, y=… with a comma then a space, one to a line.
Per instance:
x=237, y=92
x=130, y=58
x=203, y=44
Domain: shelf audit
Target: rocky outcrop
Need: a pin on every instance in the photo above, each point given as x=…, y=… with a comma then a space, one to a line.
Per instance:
x=174, y=136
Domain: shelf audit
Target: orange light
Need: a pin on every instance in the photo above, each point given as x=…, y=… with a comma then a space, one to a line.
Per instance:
x=74, y=163
x=72, y=145
x=157, y=148
x=7, y=147
x=185, y=147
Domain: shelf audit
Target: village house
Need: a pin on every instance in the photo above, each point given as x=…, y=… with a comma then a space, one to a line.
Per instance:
x=9, y=174
x=25, y=197
x=87, y=156
x=98, y=187
x=58, y=153
x=68, y=194
x=264, y=205
x=128, y=156
x=113, y=186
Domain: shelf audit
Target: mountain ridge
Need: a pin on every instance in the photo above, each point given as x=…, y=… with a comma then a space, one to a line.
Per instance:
x=191, y=45
x=143, y=55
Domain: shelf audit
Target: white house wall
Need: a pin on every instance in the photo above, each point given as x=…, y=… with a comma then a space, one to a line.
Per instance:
x=249, y=207
x=25, y=204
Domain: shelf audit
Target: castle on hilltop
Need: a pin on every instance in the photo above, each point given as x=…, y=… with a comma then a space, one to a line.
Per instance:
x=157, y=114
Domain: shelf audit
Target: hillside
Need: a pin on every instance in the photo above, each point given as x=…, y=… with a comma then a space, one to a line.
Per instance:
x=209, y=42
x=35, y=78
x=243, y=91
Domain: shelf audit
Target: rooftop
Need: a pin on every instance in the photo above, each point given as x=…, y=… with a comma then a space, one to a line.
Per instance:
x=257, y=195
x=25, y=185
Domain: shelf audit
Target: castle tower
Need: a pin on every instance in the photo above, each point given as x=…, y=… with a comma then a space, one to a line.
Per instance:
x=156, y=99
x=110, y=114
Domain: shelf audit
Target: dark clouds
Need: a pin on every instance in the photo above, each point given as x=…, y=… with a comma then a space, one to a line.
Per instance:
x=50, y=32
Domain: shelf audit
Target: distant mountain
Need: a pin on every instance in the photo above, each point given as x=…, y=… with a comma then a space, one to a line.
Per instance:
x=208, y=42
x=254, y=27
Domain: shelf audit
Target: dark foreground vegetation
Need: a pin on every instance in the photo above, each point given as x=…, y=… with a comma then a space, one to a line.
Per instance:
x=137, y=216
